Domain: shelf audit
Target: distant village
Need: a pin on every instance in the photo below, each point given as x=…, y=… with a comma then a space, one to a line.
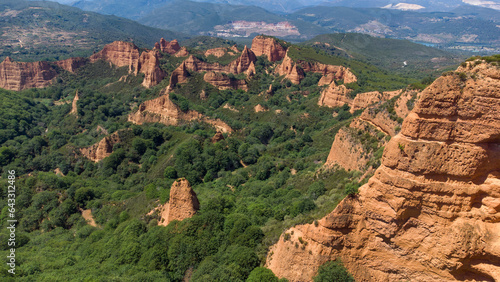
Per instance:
x=246, y=28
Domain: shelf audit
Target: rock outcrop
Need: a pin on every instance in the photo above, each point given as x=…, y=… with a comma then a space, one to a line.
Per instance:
x=240, y=65
x=179, y=75
x=221, y=51
x=223, y=82
x=123, y=54
x=182, y=203
x=290, y=70
x=20, y=75
x=149, y=65
x=217, y=137
x=164, y=111
x=347, y=151
x=335, y=96
x=431, y=211
x=169, y=47
x=268, y=46
x=183, y=52
x=120, y=54
x=295, y=71
x=72, y=64
x=102, y=149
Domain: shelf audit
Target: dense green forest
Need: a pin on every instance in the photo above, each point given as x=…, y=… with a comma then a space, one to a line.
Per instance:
x=266, y=176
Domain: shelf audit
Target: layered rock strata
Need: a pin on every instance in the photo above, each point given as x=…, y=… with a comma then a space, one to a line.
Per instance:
x=241, y=65
x=431, y=211
x=19, y=75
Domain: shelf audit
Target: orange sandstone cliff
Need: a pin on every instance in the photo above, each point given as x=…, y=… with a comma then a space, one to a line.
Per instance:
x=268, y=46
x=223, y=82
x=183, y=203
x=19, y=75
x=431, y=211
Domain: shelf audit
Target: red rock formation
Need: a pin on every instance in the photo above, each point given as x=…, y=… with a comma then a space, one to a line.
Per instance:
x=290, y=70
x=330, y=71
x=259, y=108
x=240, y=65
x=179, y=75
x=335, y=96
x=183, y=52
x=268, y=46
x=431, y=211
x=169, y=47
x=101, y=150
x=164, y=111
x=19, y=76
x=223, y=82
x=183, y=202
x=347, y=151
x=149, y=65
x=363, y=100
x=217, y=52
x=72, y=64
x=120, y=54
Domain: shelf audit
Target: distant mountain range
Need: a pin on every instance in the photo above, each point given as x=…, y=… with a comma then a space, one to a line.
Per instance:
x=286, y=6
x=36, y=30
x=468, y=25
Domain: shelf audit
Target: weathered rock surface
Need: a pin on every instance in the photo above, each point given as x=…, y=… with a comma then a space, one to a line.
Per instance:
x=101, y=150
x=431, y=211
x=72, y=64
x=221, y=51
x=169, y=47
x=290, y=70
x=240, y=65
x=19, y=75
x=223, y=82
x=183, y=52
x=259, y=108
x=335, y=96
x=179, y=75
x=164, y=111
x=149, y=65
x=347, y=151
x=268, y=46
x=123, y=54
x=120, y=54
x=183, y=202
x=217, y=137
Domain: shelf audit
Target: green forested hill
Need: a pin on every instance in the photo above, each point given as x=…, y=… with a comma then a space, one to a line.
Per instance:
x=401, y=56
x=36, y=30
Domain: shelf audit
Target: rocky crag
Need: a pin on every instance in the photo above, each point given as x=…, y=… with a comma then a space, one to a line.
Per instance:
x=164, y=111
x=182, y=203
x=19, y=76
x=268, y=46
x=431, y=211
x=295, y=71
x=223, y=82
x=102, y=149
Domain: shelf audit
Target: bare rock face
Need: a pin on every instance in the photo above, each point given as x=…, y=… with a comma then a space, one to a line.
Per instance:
x=101, y=150
x=149, y=65
x=19, y=76
x=72, y=64
x=290, y=70
x=183, y=52
x=240, y=65
x=335, y=96
x=347, y=151
x=183, y=202
x=431, y=211
x=223, y=82
x=164, y=111
x=259, y=108
x=169, y=47
x=179, y=75
x=329, y=72
x=268, y=46
x=120, y=54
x=221, y=51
